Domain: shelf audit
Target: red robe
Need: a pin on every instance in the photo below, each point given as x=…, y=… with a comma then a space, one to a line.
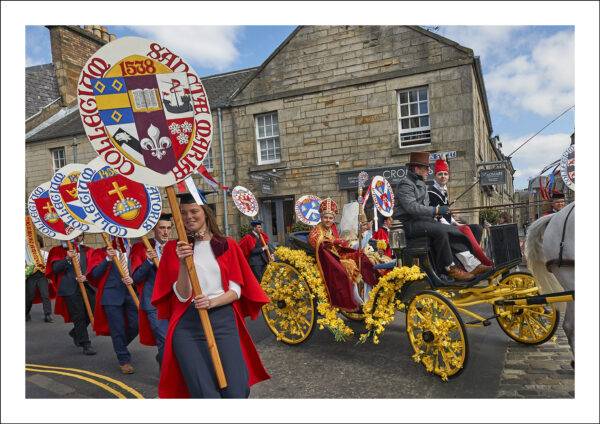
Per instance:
x=138, y=256
x=58, y=253
x=100, y=321
x=233, y=267
x=383, y=234
x=248, y=242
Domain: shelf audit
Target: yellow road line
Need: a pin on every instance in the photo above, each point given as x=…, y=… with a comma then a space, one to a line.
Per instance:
x=89, y=380
x=122, y=385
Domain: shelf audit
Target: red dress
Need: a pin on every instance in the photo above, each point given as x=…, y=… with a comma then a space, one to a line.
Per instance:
x=233, y=267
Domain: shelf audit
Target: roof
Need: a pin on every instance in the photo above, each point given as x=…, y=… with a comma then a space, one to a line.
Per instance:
x=67, y=121
x=41, y=88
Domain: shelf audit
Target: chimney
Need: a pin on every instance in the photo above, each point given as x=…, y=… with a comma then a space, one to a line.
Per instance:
x=71, y=47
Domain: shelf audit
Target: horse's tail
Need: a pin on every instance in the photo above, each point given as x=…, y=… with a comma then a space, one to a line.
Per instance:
x=536, y=261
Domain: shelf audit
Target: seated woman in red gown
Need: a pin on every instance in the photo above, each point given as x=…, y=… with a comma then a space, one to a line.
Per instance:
x=337, y=261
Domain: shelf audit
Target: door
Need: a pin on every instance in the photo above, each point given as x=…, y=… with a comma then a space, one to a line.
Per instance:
x=277, y=215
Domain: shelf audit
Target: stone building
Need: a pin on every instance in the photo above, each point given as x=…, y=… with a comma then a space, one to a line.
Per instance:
x=329, y=102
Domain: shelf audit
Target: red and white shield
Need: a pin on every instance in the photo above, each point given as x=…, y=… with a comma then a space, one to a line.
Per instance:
x=44, y=215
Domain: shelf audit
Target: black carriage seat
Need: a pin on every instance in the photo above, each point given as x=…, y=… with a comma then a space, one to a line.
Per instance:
x=299, y=240
x=418, y=247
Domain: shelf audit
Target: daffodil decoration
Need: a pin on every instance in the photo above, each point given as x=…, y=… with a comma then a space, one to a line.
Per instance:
x=381, y=245
x=278, y=285
x=382, y=304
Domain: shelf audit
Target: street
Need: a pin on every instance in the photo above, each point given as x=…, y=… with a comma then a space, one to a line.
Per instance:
x=318, y=368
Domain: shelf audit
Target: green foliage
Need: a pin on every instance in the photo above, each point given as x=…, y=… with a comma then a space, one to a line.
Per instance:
x=490, y=215
x=245, y=229
x=300, y=226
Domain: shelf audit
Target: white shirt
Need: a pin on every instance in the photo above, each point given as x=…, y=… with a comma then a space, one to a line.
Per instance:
x=209, y=273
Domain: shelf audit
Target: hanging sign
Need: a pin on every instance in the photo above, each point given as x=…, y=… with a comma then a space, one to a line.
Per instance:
x=117, y=205
x=383, y=196
x=45, y=217
x=145, y=111
x=245, y=201
x=307, y=209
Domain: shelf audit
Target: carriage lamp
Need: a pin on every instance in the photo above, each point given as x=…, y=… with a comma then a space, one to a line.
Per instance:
x=397, y=240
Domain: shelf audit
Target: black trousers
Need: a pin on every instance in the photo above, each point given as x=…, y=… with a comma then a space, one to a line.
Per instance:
x=37, y=280
x=445, y=240
x=79, y=316
x=191, y=351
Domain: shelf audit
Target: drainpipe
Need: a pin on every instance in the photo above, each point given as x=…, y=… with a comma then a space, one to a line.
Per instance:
x=225, y=220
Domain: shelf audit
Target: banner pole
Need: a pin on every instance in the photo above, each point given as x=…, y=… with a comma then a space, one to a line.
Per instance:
x=149, y=247
x=191, y=269
x=117, y=263
x=84, y=294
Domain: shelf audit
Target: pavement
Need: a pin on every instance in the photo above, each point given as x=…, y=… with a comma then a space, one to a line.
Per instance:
x=318, y=368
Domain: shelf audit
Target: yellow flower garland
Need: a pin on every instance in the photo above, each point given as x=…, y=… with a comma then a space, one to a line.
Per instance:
x=379, y=315
x=307, y=268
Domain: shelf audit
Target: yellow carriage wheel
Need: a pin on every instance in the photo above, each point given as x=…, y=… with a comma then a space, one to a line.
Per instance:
x=359, y=315
x=532, y=325
x=291, y=313
x=437, y=334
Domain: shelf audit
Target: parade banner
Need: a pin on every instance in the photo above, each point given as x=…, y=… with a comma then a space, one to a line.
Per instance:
x=117, y=205
x=32, y=244
x=244, y=200
x=44, y=216
x=145, y=111
x=383, y=196
x=567, y=167
x=65, y=198
x=307, y=209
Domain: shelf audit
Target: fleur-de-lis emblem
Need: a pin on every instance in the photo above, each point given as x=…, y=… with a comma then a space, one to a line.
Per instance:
x=155, y=143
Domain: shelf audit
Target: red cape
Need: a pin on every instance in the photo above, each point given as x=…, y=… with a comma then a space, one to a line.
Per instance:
x=383, y=234
x=248, y=242
x=58, y=253
x=233, y=267
x=138, y=256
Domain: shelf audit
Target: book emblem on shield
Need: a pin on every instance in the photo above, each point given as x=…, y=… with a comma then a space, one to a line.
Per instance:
x=127, y=208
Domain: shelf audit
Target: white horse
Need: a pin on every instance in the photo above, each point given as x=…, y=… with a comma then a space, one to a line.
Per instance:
x=550, y=246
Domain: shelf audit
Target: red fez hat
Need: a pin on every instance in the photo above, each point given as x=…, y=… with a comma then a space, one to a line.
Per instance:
x=440, y=165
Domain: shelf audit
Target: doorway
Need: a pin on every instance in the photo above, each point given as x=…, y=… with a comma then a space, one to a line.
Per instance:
x=278, y=217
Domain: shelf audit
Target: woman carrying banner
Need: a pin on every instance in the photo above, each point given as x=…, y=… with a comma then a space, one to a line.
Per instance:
x=230, y=292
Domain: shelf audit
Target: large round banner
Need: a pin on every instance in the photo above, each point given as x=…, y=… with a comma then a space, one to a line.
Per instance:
x=567, y=167
x=64, y=198
x=383, y=196
x=44, y=215
x=307, y=209
x=119, y=206
x=245, y=201
x=145, y=111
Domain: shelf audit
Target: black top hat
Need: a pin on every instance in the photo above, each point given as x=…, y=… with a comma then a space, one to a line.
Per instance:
x=558, y=196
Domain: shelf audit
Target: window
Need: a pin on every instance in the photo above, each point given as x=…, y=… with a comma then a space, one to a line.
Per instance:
x=59, y=158
x=267, y=138
x=208, y=159
x=413, y=111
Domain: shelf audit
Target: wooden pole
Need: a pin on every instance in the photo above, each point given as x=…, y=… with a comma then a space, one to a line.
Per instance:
x=265, y=244
x=149, y=247
x=117, y=263
x=191, y=269
x=84, y=294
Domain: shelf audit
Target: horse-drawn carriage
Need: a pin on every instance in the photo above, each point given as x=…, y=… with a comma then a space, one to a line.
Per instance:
x=437, y=310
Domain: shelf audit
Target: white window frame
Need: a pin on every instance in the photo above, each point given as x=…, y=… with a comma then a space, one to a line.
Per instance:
x=208, y=159
x=272, y=135
x=55, y=159
x=423, y=129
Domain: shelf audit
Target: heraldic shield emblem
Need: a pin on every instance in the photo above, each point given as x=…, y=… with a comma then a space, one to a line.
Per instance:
x=245, y=201
x=45, y=216
x=307, y=209
x=383, y=196
x=118, y=205
x=65, y=199
x=145, y=111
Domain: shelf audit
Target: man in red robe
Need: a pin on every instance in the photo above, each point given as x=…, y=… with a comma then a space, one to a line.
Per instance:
x=233, y=267
x=383, y=233
x=256, y=249
x=69, y=301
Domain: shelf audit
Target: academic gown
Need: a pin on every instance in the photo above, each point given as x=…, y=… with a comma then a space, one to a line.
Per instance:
x=100, y=320
x=258, y=263
x=233, y=267
x=58, y=253
x=137, y=257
